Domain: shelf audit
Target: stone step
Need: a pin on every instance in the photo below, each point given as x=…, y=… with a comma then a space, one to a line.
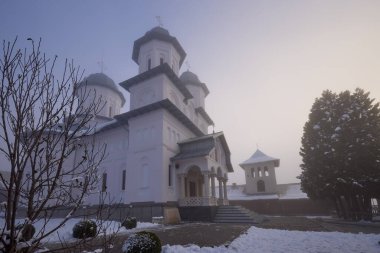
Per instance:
x=248, y=221
x=236, y=214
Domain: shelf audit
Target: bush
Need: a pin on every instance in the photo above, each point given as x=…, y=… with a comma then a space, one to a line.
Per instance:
x=84, y=229
x=144, y=242
x=27, y=231
x=129, y=222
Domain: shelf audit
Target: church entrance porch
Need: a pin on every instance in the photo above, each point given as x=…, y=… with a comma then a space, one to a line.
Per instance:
x=198, y=188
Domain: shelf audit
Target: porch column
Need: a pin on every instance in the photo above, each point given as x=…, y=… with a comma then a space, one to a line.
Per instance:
x=225, y=188
x=182, y=177
x=206, y=185
x=220, y=188
x=213, y=185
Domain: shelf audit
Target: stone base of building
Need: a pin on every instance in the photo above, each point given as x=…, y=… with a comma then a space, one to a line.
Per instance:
x=198, y=213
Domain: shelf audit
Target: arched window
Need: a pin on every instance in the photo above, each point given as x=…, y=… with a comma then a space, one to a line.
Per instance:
x=260, y=186
x=104, y=182
x=170, y=179
x=260, y=172
x=253, y=172
x=266, y=172
x=123, y=180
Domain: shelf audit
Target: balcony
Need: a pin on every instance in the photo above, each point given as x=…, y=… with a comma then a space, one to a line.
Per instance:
x=198, y=201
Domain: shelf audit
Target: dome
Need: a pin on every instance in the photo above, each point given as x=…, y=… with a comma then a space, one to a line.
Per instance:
x=189, y=77
x=100, y=79
x=158, y=29
x=161, y=34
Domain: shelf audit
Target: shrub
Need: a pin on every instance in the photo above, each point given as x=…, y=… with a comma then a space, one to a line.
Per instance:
x=27, y=231
x=129, y=222
x=84, y=229
x=144, y=242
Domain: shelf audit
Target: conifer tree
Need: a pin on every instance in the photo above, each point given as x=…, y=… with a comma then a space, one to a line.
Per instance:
x=341, y=152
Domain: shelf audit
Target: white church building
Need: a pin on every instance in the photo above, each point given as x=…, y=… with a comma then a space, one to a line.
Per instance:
x=160, y=151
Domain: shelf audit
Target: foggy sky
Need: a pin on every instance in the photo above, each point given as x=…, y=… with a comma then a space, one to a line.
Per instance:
x=264, y=62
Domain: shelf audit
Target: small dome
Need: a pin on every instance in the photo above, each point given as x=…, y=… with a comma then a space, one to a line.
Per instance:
x=158, y=29
x=100, y=79
x=189, y=77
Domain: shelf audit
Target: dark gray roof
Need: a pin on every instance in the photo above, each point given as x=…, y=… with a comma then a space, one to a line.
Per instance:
x=204, y=114
x=101, y=79
x=189, y=77
x=202, y=146
x=158, y=33
x=163, y=104
x=161, y=69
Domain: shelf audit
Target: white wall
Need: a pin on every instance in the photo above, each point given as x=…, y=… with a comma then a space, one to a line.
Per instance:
x=155, y=50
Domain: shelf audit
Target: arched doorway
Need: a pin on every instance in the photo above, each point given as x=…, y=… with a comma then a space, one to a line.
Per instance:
x=194, y=182
x=260, y=186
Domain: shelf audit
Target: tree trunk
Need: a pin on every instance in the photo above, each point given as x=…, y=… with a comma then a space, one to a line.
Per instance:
x=337, y=207
x=367, y=208
x=343, y=208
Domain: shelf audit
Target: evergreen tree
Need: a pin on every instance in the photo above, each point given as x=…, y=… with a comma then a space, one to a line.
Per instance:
x=341, y=152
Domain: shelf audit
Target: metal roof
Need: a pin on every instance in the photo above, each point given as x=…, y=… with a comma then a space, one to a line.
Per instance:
x=189, y=77
x=157, y=33
x=204, y=114
x=202, y=146
x=161, y=69
x=163, y=104
x=260, y=157
x=101, y=79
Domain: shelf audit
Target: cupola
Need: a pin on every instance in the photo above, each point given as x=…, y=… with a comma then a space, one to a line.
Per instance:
x=157, y=47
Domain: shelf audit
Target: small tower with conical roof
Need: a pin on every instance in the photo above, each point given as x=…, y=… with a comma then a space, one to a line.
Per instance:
x=260, y=175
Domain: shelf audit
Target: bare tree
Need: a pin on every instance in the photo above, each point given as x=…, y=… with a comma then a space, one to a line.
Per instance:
x=47, y=140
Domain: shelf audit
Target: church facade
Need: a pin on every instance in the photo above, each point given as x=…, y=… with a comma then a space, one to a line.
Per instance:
x=159, y=151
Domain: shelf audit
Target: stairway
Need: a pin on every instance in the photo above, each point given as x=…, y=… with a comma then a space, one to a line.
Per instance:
x=236, y=214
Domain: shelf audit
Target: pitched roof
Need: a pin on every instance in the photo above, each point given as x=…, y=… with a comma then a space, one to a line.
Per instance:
x=202, y=146
x=163, y=104
x=204, y=114
x=160, y=69
x=260, y=157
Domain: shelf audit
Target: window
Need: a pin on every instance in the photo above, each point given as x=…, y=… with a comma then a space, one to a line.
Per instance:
x=260, y=172
x=260, y=186
x=253, y=172
x=104, y=182
x=110, y=111
x=266, y=172
x=170, y=175
x=124, y=177
x=149, y=63
x=161, y=61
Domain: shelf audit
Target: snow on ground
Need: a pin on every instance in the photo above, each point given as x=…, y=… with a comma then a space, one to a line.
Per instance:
x=280, y=241
x=65, y=233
